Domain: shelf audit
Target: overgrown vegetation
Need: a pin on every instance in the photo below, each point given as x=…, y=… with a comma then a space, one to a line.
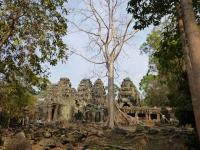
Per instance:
x=166, y=83
x=185, y=13
x=31, y=34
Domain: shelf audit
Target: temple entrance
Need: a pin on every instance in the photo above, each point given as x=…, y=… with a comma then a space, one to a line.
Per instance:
x=131, y=114
x=88, y=116
x=126, y=104
x=97, y=116
x=141, y=116
x=79, y=116
x=53, y=112
x=153, y=116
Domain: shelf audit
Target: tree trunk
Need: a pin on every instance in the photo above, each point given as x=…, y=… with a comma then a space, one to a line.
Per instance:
x=111, y=112
x=185, y=48
x=193, y=39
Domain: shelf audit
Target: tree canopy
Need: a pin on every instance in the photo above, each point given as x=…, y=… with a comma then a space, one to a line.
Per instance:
x=166, y=83
x=185, y=14
x=152, y=12
x=31, y=35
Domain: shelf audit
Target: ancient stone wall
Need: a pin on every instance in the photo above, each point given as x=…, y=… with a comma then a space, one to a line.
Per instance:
x=128, y=94
x=66, y=98
x=99, y=93
x=89, y=101
x=60, y=101
x=84, y=93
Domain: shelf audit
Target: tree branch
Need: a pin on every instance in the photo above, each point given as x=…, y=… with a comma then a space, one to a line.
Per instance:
x=87, y=59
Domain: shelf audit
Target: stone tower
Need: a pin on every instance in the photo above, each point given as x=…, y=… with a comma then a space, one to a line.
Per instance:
x=66, y=99
x=60, y=101
x=84, y=93
x=128, y=94
x=99, y=93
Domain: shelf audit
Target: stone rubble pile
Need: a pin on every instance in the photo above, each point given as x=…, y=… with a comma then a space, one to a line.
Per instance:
x=92, y=136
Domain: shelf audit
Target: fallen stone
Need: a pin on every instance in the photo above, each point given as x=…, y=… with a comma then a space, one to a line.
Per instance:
x=69, y=146
x=48, y=143
x=77, y=136
x=37, y=134
x=47, y=134
x=154, y=131
x=19, y=142
x=64, y=140
x=120, y=131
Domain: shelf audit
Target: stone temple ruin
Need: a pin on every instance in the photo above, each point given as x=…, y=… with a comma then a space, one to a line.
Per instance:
x=84, y=93
x=88, y=103
x=99, y=93
x=64, y=103
x=59, y=103
x=128, y=94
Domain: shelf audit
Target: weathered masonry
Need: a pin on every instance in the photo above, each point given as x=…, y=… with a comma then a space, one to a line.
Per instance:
x=143, y=113
x=150, y=115
x=128, y=94
x=64, y=103
x=88, y=103
x=59, y=101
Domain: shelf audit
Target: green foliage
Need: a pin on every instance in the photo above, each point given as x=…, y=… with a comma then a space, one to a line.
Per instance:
x=13, y=99
x=154, y=91
x=166, y=83
x=150, y=12
x=31, y=35
x=164, y=48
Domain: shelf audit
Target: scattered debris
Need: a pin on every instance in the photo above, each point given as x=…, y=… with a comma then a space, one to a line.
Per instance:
x=93, y=136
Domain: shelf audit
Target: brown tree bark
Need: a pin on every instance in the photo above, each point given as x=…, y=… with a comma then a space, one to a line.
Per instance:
x=111, y=112
x=187, y=62
x=193, y=39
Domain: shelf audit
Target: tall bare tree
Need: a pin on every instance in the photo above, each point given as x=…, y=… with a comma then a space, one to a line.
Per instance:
x=108, y=30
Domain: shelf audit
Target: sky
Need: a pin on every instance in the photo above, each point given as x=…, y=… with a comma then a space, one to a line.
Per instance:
x=130, y=62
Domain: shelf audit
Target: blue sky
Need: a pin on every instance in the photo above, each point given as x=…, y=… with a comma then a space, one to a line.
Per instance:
x=130, y=63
